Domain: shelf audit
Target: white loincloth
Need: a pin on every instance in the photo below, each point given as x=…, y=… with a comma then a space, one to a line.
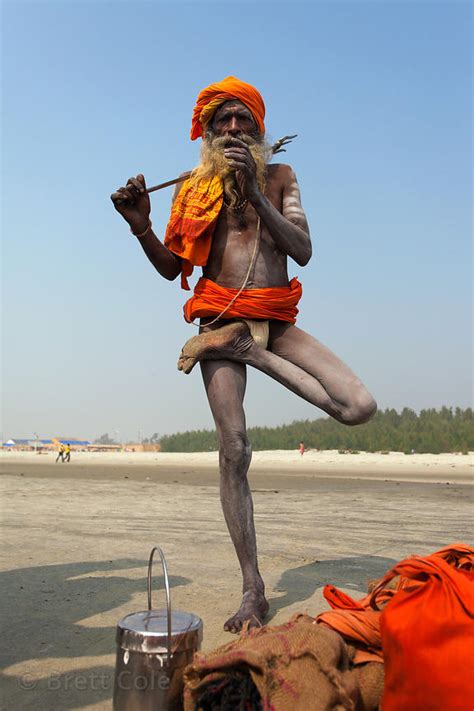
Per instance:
x=259, y=330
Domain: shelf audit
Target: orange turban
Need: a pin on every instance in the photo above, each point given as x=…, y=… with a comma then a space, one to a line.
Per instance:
x=214, y=95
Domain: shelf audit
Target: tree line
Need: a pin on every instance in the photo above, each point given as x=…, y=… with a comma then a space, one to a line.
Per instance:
x=432, y=430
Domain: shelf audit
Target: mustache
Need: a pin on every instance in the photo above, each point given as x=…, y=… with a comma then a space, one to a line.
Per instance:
x=214, y=146
x=225, y=141
x=218, y=144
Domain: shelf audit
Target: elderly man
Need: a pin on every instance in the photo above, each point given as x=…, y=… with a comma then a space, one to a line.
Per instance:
x=240, y=218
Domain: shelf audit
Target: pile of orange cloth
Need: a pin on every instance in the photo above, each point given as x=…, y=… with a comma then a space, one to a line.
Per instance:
x=278, y=303
x=197, y=206
x=358, y=621
x=418, y=621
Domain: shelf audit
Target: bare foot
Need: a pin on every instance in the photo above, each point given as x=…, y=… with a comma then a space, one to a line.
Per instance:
x=225, y=342
x=253, y=609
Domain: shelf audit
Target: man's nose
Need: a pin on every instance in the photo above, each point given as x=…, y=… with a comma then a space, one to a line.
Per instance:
x=233, y=126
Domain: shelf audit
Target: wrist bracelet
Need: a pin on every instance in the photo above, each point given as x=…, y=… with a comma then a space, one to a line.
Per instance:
x=142, y=234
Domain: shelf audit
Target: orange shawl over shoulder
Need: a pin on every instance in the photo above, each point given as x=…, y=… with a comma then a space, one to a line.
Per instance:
x=277, y=303
x=192, y=221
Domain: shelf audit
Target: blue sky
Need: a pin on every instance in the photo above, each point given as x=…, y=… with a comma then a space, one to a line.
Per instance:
x=379, y=94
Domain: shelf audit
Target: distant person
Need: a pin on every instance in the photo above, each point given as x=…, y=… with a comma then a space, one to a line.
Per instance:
x=67, y=453
x=61, y=451
x=302, y=448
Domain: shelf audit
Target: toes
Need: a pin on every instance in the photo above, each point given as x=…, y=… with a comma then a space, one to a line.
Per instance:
x=233, y=626
x=188, y=364
x=251, y=613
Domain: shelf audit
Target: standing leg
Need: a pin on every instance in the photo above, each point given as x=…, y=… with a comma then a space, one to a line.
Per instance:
x=225, y=387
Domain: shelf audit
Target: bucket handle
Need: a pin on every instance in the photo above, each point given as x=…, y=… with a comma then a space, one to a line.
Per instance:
x=167, y=589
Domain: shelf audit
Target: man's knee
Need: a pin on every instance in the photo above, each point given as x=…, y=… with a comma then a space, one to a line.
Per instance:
x=235, y=451
x=361, y=409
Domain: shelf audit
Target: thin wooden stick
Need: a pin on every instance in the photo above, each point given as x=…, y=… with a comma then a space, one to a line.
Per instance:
x=181, y=178
x=276, y=148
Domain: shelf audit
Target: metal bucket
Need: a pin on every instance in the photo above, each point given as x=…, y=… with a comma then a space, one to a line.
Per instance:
x=153, y=648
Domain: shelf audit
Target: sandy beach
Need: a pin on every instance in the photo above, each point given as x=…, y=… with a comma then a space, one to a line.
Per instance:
x=76, y=539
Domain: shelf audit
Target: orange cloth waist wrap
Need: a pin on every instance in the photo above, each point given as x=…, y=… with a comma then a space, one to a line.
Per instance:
x=277, y=302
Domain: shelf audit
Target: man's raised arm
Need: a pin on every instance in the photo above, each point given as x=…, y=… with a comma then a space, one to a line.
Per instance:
x=289, y=229
x=133, y=203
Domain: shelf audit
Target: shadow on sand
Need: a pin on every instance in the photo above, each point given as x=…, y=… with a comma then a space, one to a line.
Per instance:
x=299, y=584
x=45, y=606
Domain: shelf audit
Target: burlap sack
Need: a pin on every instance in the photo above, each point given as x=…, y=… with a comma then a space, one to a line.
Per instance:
x=369, y=680
x=298, y=665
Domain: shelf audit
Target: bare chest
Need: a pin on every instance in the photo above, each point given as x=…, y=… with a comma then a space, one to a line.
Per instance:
x=240, y=242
